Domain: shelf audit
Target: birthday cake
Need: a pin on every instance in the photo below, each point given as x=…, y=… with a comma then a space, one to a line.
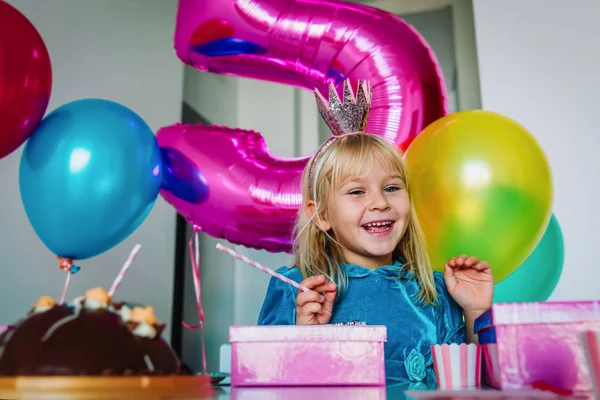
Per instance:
x=91, y=336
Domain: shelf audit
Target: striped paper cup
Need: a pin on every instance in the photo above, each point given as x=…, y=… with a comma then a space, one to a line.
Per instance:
x=591, y=345
x=457, y=366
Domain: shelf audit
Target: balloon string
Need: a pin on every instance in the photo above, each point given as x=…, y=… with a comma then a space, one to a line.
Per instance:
x=203, y=349
x=194, y=250
x=196, y=276
x=197, y=260
x=66, y=264
x=65, y=287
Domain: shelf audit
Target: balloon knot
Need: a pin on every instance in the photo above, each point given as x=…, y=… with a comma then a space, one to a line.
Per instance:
x=66, y=264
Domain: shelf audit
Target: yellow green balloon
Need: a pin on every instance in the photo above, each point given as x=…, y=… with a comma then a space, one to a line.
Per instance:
x=481, y=185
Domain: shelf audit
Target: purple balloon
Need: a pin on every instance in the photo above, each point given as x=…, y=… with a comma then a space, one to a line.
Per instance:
x=182, y=178
x=308, y=44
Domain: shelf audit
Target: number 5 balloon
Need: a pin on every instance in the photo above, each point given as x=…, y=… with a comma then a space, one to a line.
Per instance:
x=253, y=196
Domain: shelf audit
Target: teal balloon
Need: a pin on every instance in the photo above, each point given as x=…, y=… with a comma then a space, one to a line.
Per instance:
x=537, y=277
x=89, y=175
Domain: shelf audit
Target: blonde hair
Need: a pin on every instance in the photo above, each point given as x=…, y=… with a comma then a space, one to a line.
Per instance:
x=316, y=252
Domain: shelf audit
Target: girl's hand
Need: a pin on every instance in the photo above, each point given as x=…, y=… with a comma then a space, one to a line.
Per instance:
x=312, y=307
x=470, y=283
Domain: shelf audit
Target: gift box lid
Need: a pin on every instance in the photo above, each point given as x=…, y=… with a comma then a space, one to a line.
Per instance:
x=537, y=313
x=308, y=333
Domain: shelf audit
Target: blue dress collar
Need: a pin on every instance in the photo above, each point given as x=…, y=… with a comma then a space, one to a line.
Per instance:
x=395, y=270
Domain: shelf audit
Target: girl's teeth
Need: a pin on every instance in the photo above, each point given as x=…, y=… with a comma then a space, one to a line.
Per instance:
x=378, y=228
x=378, y=224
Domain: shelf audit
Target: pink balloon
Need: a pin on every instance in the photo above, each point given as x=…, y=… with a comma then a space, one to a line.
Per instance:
x=254, y=196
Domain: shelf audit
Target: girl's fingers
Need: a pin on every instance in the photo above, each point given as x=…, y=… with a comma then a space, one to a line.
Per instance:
x=309, y=297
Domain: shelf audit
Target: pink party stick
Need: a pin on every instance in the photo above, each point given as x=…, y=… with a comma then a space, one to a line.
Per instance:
x=262, y=268
x=124, y=269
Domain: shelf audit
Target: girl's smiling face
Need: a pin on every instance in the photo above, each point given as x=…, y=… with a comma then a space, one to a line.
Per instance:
x=368, y=215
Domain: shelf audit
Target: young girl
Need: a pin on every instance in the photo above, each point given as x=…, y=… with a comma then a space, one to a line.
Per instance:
x=360, y=248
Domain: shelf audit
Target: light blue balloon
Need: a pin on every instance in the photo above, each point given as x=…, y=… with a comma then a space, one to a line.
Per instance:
x=537, y=277
x=89, y=176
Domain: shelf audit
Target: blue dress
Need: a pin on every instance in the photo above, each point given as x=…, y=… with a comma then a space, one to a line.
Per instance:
x=379, y=297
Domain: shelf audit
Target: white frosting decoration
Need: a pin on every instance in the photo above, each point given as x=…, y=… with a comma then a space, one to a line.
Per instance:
x=144, y=330
x=41, y=309
x=8, y=335
x=125, y=313
x=149, y=363
x=78, y=303
x=92, y=304
x=57, y=325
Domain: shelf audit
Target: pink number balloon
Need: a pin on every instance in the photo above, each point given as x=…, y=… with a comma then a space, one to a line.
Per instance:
x=254, y=196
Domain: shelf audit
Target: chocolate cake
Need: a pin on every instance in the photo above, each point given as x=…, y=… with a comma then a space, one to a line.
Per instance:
x=91, y=336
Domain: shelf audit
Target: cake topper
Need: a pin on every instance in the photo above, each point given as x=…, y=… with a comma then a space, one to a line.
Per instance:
x=124, y=269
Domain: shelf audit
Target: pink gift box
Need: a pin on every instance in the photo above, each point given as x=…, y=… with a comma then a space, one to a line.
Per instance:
x=309, y=393
x=317, y=355
x=531, y=344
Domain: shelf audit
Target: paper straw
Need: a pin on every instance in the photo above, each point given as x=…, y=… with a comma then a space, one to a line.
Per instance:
x=124, y=269
x=262, y=268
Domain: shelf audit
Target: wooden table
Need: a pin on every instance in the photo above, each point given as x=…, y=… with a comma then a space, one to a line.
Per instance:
x=198, y=387
x=88, y=388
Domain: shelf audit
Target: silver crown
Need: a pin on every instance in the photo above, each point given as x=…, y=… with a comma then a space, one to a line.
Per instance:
x=349, y=115
x=342, y=118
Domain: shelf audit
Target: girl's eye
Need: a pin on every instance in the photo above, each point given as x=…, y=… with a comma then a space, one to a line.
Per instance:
x=356, y=192
x=391, y=189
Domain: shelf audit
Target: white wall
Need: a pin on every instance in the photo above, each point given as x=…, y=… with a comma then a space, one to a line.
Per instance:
x=539, y=63
x=122, y=51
